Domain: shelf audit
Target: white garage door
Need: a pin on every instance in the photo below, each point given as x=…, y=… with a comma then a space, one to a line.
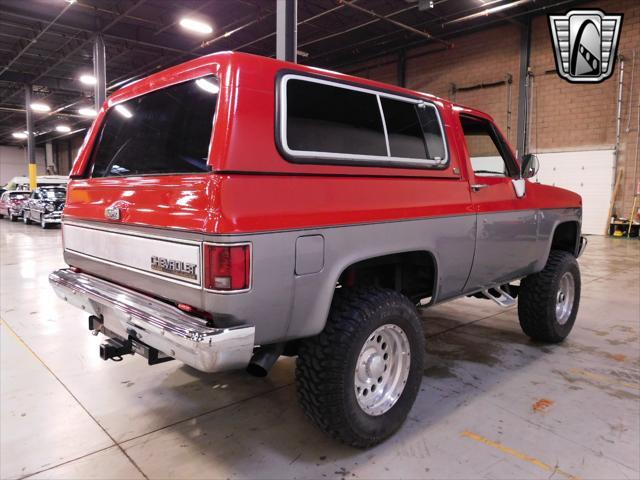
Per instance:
x=589, y=173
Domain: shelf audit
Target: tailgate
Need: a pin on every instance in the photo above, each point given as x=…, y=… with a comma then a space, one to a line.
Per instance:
x=166, y=258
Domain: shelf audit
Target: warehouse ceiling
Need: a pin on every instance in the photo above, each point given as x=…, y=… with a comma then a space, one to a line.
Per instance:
x=48, y=43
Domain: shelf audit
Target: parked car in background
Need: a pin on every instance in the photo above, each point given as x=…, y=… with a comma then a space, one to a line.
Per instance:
x=11, y=204
x=23, y=182
x=44, y=206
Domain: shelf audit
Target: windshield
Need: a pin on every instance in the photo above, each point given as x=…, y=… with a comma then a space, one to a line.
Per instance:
x=166, y=131
x=54, y=194
x=19, y=196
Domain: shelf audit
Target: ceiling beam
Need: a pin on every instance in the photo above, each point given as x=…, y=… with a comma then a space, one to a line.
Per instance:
x=387, y=19
x=35, y=39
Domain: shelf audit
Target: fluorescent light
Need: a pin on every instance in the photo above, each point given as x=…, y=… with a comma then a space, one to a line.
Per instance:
x=124, y=111
x=40, y=107
x=63, y=128
x=207, y=86
x=87, y=112
x=20, y=135
x=196, y=25
x=88, y=79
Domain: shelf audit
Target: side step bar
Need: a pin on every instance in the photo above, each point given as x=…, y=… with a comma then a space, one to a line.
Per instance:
x=501, y=297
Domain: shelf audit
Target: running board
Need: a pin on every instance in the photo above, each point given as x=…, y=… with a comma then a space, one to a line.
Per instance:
x=502, y=298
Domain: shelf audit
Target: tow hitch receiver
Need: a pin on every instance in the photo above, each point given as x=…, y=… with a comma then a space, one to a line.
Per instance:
x=115, y=346
x=114, y=349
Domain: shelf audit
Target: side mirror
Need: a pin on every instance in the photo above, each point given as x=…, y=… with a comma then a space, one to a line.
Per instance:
x=530, y=165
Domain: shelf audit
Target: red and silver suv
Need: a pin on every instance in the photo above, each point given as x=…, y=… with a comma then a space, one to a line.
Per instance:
x=236, y=208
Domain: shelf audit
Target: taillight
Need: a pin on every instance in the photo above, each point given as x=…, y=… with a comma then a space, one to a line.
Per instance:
x=227, y=268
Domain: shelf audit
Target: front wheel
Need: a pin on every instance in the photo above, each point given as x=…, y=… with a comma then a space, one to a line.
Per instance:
x=26, y=219
x=548, y=301
x=43, y=223
x=13, y=218
x=357, y=380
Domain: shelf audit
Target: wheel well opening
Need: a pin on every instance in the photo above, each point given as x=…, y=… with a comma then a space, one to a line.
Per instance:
x=411, y=273
x=565, y=237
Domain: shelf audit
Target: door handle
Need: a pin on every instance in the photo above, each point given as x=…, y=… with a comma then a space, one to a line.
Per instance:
x=478, y=186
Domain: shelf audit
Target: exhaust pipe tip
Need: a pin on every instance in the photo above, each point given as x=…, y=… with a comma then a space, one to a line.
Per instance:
x=257, y=370
x=263, y=359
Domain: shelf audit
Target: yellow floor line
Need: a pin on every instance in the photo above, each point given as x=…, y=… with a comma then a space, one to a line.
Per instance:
x=519, y=455
x=604, y=378
x=20, y=341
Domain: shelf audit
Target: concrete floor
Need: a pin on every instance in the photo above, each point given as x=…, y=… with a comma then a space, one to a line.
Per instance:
x=492, y=403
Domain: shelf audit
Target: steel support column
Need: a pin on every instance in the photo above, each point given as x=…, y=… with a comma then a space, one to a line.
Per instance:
x=31, y=141
x=523, y=87
x=287, y=30
x=402, y=68
x=99, y=71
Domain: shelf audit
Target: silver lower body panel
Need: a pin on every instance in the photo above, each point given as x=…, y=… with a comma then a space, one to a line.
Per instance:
x=158, y=324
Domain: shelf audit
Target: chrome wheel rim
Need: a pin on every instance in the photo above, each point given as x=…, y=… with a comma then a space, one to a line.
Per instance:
x=382, y=369
x=564, y=298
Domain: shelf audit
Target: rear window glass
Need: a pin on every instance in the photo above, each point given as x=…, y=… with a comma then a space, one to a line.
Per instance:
x=166, y=131
x=324, y=118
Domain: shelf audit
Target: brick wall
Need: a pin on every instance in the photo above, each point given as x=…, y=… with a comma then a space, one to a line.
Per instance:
x=563, y=116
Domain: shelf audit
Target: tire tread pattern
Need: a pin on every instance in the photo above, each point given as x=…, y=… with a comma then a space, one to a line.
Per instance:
x=535, y=312
x=320, y=367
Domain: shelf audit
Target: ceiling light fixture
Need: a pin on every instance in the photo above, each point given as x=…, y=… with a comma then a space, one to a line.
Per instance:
x=20, y=135
x=87, y=112
x=196, y=26
x=40, y=107
x=207, y=85
x=63, y=128
x=124, y=111
x=88, y=79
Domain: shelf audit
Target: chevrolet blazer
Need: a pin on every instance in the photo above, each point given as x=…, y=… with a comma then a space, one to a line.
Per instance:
x=236, y=208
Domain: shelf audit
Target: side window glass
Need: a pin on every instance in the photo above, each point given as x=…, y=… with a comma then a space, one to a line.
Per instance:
x=325, y=118
x=404, y=130
x=487, y=159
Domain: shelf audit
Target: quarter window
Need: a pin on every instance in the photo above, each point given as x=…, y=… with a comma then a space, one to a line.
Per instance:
x=413, y=130
x=328, y=122
x=324, y=118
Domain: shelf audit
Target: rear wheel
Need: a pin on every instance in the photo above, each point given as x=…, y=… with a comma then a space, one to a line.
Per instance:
x=13, y=218
x=358, y=379
x=549, y=300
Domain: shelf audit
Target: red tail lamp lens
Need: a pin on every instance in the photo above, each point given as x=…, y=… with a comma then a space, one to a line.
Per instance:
x=227, y=268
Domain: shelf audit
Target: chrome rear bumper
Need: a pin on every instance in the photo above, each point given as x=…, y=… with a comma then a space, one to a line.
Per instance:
x=158, y=324
x=53, y=217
